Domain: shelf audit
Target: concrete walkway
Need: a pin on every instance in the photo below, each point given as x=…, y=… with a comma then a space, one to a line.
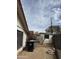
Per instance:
x=38, y=53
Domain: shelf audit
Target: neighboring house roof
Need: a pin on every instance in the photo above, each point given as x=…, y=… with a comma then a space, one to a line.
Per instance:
x=47, y=33
x=21, y=16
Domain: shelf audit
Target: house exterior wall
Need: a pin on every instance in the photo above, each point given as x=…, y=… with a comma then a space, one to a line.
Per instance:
x=20, y=28
x=46, y=40
x=41, y=38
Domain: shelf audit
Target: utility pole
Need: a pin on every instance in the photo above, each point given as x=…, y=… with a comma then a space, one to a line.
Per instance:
x=51, y=25
x=51, y=18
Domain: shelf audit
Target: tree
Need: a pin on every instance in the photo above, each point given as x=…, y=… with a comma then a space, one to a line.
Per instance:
x=52, y=29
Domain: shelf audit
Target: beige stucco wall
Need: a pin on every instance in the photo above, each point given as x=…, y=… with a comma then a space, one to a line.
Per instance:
x=46, y=40
x=19, y=27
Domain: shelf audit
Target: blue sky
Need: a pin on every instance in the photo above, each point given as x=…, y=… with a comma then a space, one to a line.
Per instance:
x=39, y=12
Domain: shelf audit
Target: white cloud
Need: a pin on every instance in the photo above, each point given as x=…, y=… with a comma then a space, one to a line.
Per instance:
x=38, y=13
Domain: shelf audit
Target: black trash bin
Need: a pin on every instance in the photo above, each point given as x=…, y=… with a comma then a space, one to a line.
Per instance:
x=30, y=46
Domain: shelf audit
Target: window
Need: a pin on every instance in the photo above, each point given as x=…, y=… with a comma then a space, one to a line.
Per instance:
x=46, y=36
x=19, y=39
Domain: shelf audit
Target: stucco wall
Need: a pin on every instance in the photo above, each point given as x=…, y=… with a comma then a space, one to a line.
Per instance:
x=46, y=40
x=19, y=27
